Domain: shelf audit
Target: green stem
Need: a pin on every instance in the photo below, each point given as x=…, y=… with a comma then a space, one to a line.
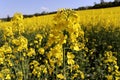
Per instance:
x=56, y=72
x=64, y=62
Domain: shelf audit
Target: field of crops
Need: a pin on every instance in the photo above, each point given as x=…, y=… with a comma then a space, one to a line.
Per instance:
x=68, y=45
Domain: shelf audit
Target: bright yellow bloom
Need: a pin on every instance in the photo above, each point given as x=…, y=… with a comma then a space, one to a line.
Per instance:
x=116, y=67
x=1, y=76
x=7, y=48
x=8, y=77
x=21, y=43
x=109, y=77
x=74, y=76
x=17, y=16
x=31, y=52
x=70, y=55
x=60, y=76
x=75, y=47
x=109, y=69
x=45, y=70
x=35, y=41
x=1, y=60
x=38, y=36
x=35, y=63
x=34, y=72
x=70, y=61
x=8, y=31
x=76, y=67
x=16, y=42
x=41, y=51
x=117, y=78
x=82, y=75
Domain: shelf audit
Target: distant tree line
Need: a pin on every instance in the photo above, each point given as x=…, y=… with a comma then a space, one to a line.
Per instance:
x=106, y=5
x=96, y=6
x=28, y=16
x=101, y=5
x=39, y=14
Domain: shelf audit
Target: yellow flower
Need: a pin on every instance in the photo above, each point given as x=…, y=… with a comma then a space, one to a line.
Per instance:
x=31, y=52
x=38, y=36
x=49, y=55
x=34, y=72
x=109, y=77
x=17, y=17
x=24, y=54
x=109, y=47
x=1, y=76
x=76, y=67
x=116, y=67
x=19, y=74
x=8, y=77
x=41, y=51
x=8, y=31
x=45, y=70
x=70, y=61
x=38, y=74
x=117, y=78
x=74, y=76
x=60, y=76
x=35, y=41
x=70, y=55
x=75, y=47
x=1, y=60
x=52, y=62
x=20, y=79
x=109, y=69
x=10, y=63
x=35, y=63
x=21, y=43
x=7, y=48
x=16, y=42
x=82, y=75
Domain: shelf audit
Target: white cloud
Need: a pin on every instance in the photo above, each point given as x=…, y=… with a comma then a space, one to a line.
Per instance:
x=44, y=8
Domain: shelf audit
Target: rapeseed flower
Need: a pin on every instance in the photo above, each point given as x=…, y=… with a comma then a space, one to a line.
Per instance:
x=41, y=51
x=8, y=77
x=31, y=52
x=60, y=76
x=109, y=77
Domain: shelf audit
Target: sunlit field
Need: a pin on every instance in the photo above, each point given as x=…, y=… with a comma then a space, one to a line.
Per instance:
x=68, y=45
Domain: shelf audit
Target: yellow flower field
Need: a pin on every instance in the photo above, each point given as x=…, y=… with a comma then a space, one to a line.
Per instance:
x=68, y=45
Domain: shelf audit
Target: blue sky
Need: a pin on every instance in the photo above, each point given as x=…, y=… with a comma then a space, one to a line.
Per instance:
x=9, y=7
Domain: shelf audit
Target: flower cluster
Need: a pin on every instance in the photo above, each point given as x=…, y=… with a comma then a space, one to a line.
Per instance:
x=68, y=45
